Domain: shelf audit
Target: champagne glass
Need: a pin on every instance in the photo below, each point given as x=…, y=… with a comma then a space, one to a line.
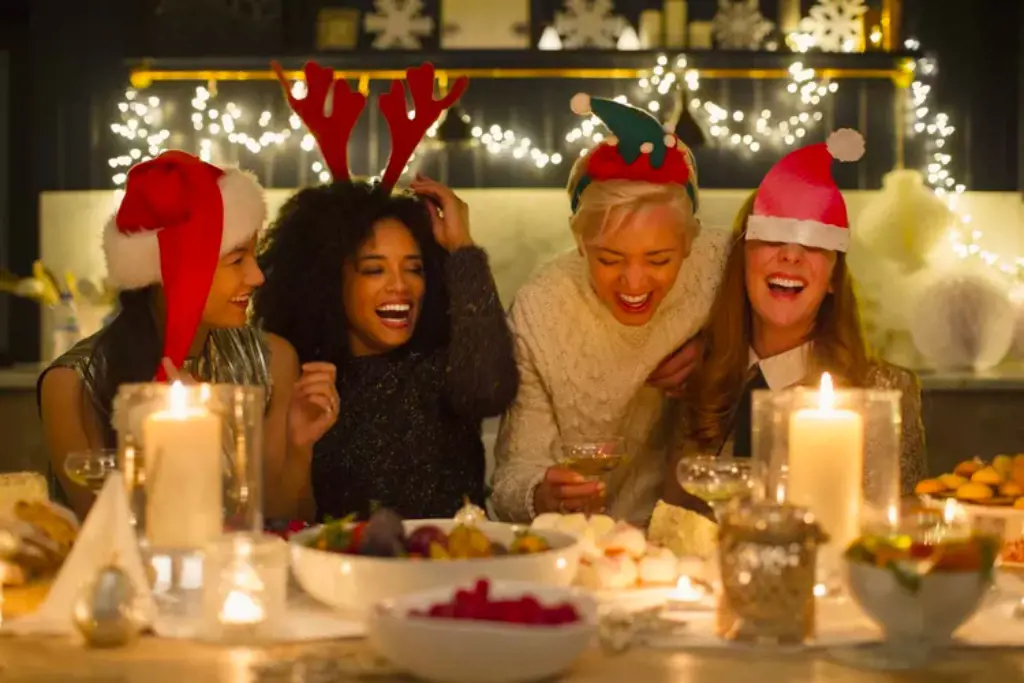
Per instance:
x=719, y=481
x=89, y=469
x=595, y=460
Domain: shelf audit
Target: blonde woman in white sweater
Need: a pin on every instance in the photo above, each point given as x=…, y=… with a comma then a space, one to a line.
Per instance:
x=595, y=327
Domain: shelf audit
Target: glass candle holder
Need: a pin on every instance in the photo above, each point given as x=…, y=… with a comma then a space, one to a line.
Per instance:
x=768, y=556
x=192, y=455
x=835, y=452
x=245, y=587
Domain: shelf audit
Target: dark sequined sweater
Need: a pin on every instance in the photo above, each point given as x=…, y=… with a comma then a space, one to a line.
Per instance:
x=408, y=432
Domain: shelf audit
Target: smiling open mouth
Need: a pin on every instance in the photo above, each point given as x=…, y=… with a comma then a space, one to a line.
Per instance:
x=242, y=301
x=785, y=285
x=632, y=302
x=395, y=315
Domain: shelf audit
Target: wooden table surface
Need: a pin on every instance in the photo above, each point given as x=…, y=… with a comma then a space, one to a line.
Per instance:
x=58, y=660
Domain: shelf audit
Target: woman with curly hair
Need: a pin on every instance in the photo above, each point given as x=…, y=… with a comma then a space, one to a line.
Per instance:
x=182, y=250
x=390, y=288
x=786, y=312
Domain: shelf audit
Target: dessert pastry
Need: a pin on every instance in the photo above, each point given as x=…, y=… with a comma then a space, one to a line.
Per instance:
x=974, y=491
x=659, y=566
x=684, y=532
x=929, y=486
x=625, y=539
x=34, y=541
x=986, y=475
x=613, y=572
x=27, y=486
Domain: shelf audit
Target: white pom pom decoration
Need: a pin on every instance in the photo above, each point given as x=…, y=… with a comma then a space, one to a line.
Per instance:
x=846, y=144
x=611, y=140
x=670, y=141
x=647, y=147
x=963, y=319
x=580, y=104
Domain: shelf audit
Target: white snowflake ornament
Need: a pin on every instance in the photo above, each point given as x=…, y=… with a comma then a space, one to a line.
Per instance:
x=739, y=25
x=589, y=23
x=398, y=24
x=835, y=25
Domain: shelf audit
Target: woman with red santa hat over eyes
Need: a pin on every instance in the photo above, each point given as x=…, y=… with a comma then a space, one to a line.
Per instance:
x=181, y=250
x=786, y=312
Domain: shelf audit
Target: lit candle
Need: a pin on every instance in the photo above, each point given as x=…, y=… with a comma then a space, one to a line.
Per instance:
x=826, y=453
x=687, y=594
x=701, y=34
x=240, y=609
x=184, y=487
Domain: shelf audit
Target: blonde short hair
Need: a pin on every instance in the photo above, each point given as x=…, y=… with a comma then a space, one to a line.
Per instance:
x=607, y=204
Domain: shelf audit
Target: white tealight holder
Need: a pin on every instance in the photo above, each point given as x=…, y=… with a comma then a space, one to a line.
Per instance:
x=245, y=588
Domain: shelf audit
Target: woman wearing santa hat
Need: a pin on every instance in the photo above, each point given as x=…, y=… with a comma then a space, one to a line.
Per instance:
x=181, y=249
x=594, y=326
x=786, y=312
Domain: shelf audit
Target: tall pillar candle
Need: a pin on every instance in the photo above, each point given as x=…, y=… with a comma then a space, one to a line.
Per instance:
x=184, y=483
x=651, y=33
x=675, y=12
x=826, y=463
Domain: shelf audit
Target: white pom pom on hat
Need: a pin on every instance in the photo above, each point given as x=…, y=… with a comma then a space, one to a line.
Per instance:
x=846, y=144
x=580, y=104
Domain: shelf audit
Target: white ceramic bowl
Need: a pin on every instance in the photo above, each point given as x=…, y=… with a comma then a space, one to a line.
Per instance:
x=917, y=620
x=456, y=651
x=356, y=582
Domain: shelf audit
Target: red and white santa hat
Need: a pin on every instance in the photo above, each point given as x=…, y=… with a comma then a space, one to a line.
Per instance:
x=799, y=202
x=179, y=215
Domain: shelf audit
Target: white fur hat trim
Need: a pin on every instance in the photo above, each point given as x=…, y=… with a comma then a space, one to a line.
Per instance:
x=133, y=261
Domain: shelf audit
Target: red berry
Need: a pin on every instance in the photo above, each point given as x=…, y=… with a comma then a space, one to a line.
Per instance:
x=483, y=589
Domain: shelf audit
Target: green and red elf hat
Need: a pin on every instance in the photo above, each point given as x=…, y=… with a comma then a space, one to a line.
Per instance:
x=639, y=149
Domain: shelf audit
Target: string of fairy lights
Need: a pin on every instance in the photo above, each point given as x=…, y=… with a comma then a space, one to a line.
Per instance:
x=935, y=129
x=144, y=126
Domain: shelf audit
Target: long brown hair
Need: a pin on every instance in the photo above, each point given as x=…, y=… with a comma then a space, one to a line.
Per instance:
x=715, y=389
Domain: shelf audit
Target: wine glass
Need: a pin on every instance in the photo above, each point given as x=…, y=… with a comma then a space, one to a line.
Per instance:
x=594, y=459
x=89, y=469
x=719, y=480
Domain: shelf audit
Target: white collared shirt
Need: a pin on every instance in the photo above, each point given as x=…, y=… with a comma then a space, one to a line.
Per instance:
x=785, y=369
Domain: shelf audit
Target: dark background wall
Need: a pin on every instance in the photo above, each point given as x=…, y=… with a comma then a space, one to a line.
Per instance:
x=68, y=63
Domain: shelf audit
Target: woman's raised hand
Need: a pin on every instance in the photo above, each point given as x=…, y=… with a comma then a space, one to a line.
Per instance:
x=449, y=214
x=671, y=374
x=314, y=404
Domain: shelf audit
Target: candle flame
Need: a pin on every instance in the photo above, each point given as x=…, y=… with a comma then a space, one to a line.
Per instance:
x=949, y=511
x=827, y=395
x=240, y=608
x=893, y=515
x=686, y=590
x=178, y=402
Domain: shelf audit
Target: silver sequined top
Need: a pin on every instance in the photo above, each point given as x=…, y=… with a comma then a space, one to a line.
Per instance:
x=230, y=356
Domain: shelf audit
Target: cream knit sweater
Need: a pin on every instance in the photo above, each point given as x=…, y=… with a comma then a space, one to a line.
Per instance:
x=583, y=376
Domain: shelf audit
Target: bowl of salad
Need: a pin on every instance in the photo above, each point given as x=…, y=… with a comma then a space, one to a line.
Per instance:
x=353, y=565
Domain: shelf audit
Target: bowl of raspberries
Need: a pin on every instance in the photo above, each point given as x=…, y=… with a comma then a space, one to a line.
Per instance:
x=486, y=632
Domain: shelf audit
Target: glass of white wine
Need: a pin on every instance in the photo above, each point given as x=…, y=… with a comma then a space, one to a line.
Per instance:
x=595, y=460
x=89, y=469
x=719, y=481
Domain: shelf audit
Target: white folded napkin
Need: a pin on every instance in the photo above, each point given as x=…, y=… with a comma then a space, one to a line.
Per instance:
x=107, y=537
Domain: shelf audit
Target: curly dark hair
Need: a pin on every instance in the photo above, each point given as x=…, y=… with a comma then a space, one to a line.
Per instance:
x=302, y=254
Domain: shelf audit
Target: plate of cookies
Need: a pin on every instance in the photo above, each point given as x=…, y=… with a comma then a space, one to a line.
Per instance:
x=995, y=484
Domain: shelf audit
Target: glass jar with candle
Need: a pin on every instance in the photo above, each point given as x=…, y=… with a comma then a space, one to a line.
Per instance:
x=833, y=451
x=193, y=457
x=768, y=556
x=245, y=587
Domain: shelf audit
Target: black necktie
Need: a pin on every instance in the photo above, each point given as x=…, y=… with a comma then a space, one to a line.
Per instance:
x=742, y=421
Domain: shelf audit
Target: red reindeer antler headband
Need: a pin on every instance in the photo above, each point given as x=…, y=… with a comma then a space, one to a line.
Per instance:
x=332, y=132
